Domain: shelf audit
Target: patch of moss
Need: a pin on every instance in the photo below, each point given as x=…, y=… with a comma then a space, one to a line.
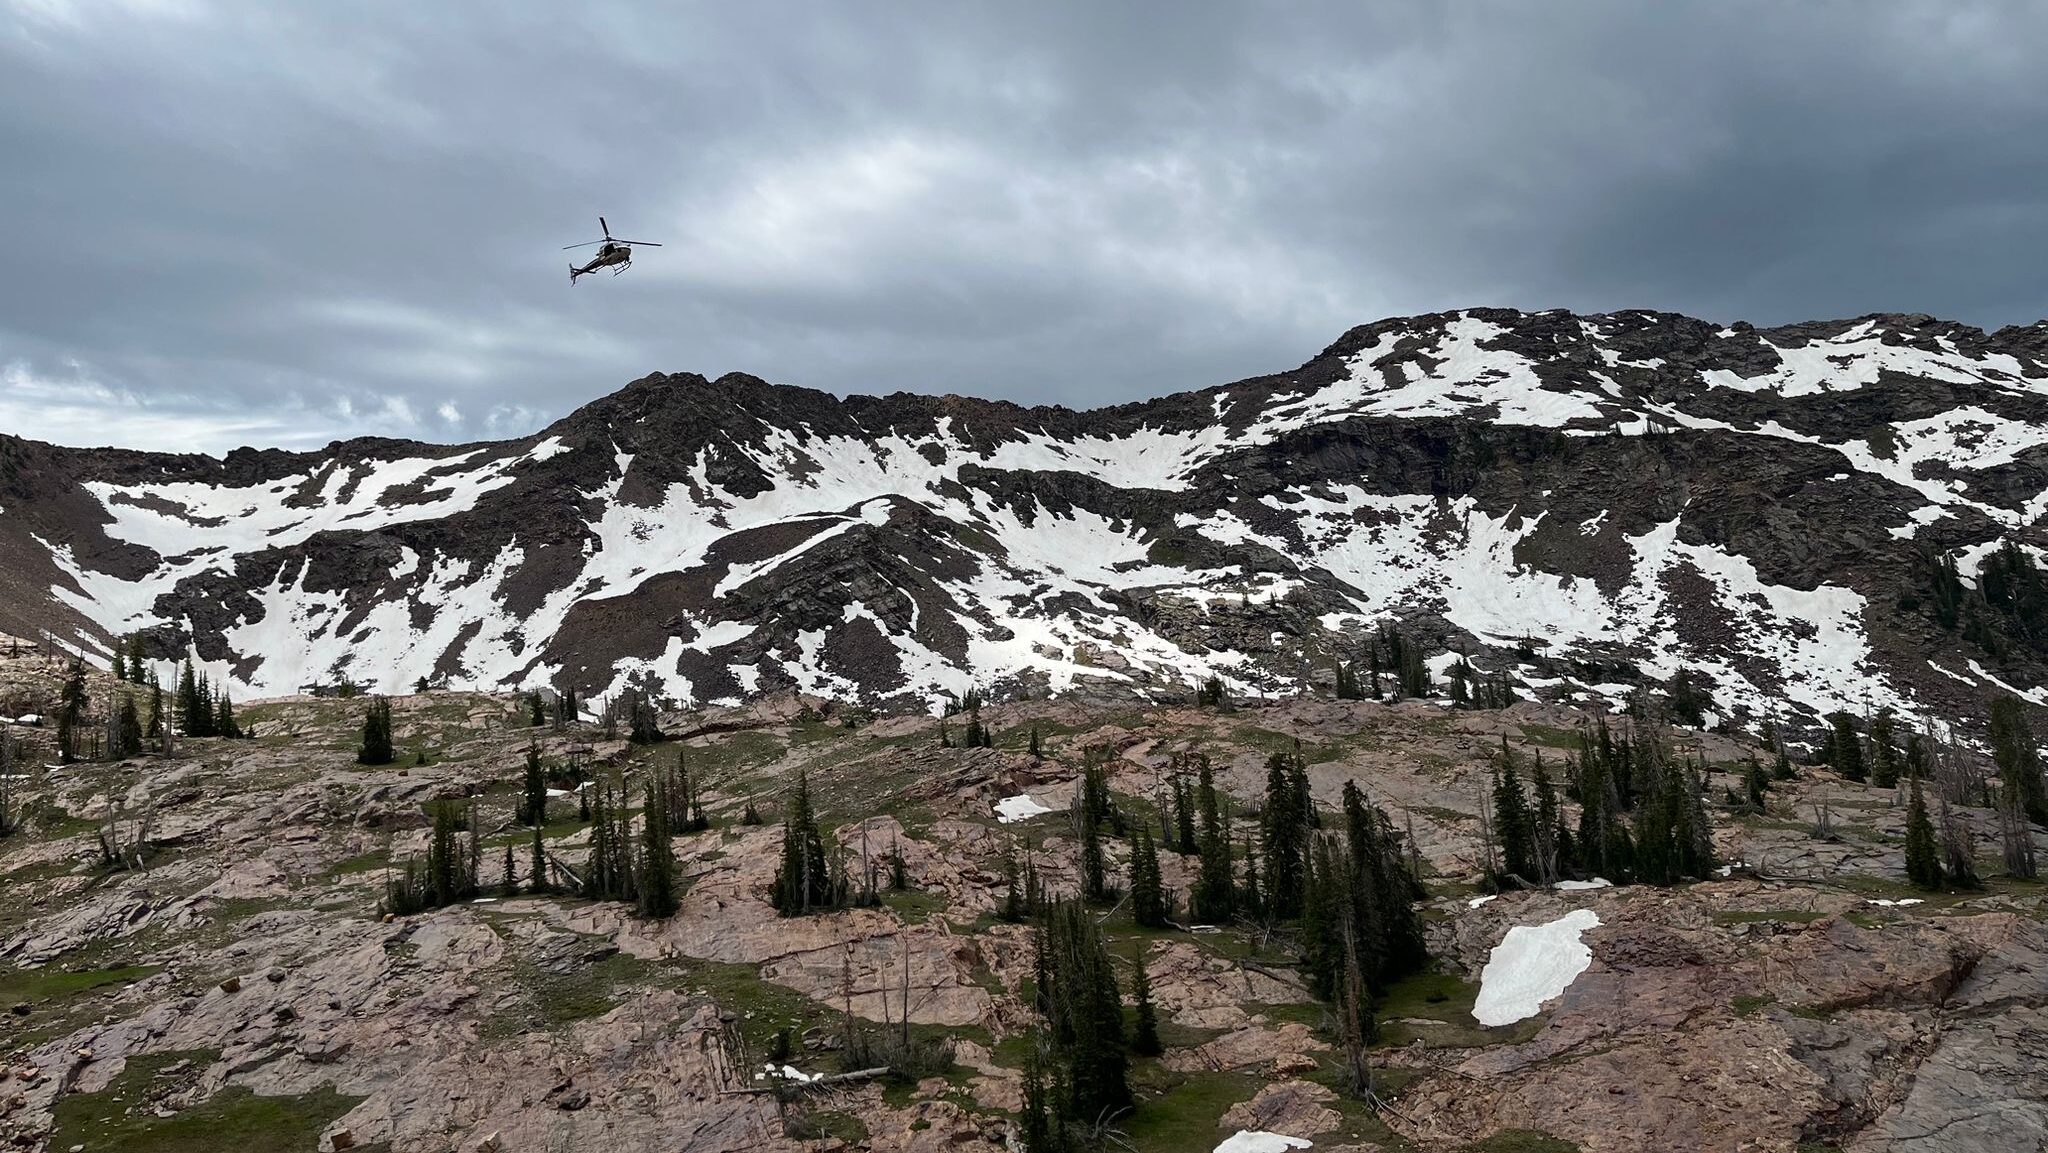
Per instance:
x=1752, y=916
x=121, y=1118
x=33, y=985
x=1749, y=1003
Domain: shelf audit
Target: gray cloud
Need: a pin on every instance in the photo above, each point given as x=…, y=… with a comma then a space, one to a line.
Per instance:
x=285, y=223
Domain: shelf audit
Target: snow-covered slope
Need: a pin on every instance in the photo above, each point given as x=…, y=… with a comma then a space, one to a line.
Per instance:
x=1580, y=502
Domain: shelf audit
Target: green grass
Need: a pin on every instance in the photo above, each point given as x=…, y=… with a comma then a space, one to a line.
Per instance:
x=1179, y=1112
x=1443, y=998
x=915, y=906
x=1749, y=1003
x=119, y=1119
x=33, y=985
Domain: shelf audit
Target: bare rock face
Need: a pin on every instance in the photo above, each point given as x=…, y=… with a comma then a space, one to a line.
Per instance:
x=1783, y=1004
x=1296, y=1108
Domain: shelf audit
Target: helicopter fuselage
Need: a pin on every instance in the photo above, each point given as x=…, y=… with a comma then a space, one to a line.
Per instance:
x=607, y=256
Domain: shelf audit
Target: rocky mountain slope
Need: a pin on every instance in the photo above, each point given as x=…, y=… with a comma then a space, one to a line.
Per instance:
x=1581, y=502
x=241, y=989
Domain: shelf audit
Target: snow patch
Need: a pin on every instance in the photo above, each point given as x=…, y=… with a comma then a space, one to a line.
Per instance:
x=1531, y=965
x=1260, y=1141
x=1021, y=807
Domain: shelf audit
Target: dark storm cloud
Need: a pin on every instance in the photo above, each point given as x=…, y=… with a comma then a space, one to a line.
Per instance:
x=278, y=224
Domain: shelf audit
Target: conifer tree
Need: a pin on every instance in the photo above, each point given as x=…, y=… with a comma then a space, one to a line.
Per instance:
x=511, y=872
x=656, y=883
x=1923, y=858
x=1088, y=830
x=120, y=669
x=1145, y=1037
x=1551, y=842
x=1754, y=783
x=376, y=747
x=533, y=803
x=1214, y=897
x=1148, y=898
x=224, y=724
x=1284, y=832
x=1845, y=748
x=1347, y=683
x=804, y=882
x=1034, y=750
x=538, y=882
x=1884, y=752
x=2019, y=762
x=127, y=729
x=644, y=724
x=1322, y=918
x=1511, y=822
x=1012, y=909
x=1183, y=815
x=155, y=729
x=1084, y=1015
x=536, y=709
x=193, y=718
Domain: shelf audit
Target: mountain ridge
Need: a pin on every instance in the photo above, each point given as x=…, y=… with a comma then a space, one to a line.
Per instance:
x=1642, y=489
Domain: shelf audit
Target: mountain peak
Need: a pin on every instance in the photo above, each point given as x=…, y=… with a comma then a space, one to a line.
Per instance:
x=1583, y=505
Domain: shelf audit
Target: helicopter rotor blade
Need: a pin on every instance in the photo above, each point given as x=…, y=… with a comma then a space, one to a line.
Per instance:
x=585, y=244
x=607, y=228
x=645, y=243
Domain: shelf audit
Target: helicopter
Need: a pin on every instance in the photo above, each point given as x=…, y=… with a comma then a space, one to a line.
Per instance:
x=614, y=252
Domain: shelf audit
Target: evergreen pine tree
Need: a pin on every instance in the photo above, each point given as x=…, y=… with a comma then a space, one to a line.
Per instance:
x=128, y=728
x=1085, y=1015
x=1284, y=831
x=533, y=804
x=120, y=669
x=1184, y=815
x=1034, y=750
x=2019, y=762
x=1845, y=748
x=1145, y=1037
x=511, y=873
x=1148, y=898
x=1550, y=841
x=656, y=883
x=224, y=717
x=1884, y=752
x=538, y=880
x=1088, y=830
x=376, y=747
x=804, y=882
x=155, y=729
x=1923, y=858
x=1754, y=783
x=1511, y=822
x=1215, y=896
x=536, y=709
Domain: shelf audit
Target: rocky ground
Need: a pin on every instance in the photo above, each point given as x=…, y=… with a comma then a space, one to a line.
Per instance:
x=243, y=990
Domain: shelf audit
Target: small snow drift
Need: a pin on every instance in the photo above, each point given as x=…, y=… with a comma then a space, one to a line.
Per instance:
x=1576, y=886
x=1257, y=1141
x=1021, y=807
x=1888, y=903
x=1478, y=901
x=1532, y=964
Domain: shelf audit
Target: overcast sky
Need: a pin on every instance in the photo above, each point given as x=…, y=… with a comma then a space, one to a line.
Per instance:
x=279, y=224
